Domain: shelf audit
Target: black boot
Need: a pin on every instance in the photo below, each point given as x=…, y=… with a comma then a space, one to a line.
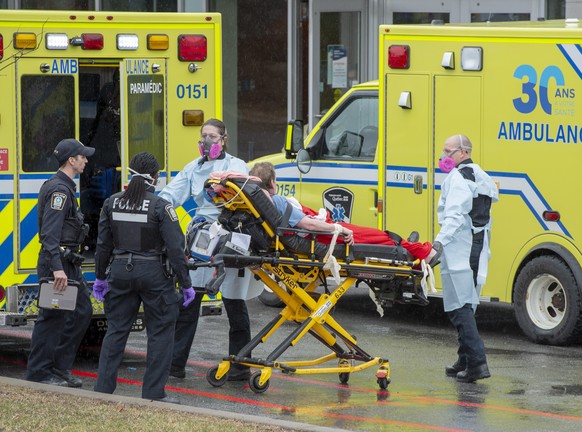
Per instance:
x=455, y=368
x=473, y=374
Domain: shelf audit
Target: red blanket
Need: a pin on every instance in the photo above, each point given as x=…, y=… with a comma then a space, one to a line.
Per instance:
x=367, y=235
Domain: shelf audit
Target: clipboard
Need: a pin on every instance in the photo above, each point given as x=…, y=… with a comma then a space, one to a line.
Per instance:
x=49, y=298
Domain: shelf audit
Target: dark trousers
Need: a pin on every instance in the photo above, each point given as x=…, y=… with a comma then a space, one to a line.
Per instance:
x=57, y=334
x=471, y=348
x=128, y=289
x=238, y=336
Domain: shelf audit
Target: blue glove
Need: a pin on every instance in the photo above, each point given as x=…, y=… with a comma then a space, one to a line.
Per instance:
x=189, y=295
x=100, y=288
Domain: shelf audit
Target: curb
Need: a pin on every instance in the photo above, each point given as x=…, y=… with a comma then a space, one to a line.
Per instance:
x=88, y=394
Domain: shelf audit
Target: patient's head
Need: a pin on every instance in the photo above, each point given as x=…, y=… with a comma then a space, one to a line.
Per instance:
x=266, y=172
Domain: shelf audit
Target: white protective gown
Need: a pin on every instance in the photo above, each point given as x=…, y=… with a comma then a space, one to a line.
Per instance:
x=456, y=236
x=190, y=183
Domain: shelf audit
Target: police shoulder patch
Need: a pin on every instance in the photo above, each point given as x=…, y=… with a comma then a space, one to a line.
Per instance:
x=58, y=200
x=172, y=212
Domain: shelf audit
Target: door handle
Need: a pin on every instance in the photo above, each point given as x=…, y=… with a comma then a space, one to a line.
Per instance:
x=418, y=184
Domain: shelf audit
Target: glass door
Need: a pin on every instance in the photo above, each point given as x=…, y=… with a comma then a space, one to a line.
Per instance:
x=337, y=54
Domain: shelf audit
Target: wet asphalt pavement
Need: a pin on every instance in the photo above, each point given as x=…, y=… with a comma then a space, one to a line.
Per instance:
x=532, y=388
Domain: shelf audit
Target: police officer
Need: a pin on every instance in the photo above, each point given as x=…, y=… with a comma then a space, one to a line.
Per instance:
x=57, y=334
x=141, y=242
x=464, y=214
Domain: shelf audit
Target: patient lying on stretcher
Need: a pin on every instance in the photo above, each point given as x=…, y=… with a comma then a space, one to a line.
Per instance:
x=306, y=218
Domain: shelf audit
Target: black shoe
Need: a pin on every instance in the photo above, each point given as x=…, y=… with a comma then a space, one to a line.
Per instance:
x=413, y=237
x=473, y=374
x=72, y=380
x=177, y=372
x=55, y=380
x=435, y=260
x=168, y=399
x=454, y=369
x=239, y=375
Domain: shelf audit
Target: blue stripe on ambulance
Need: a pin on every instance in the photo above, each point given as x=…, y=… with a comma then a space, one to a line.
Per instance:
x=6, y=256
x=573, y=53
x=509, y=184
x=360, y=174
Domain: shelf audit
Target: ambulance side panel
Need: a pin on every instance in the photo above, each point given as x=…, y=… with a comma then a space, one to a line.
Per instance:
x=520, y=111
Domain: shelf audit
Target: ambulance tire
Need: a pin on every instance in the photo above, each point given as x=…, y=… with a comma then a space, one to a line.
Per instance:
x=547, y=302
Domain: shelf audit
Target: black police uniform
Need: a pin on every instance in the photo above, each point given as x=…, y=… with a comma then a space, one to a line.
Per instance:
x=136, y=245
x=57, y=334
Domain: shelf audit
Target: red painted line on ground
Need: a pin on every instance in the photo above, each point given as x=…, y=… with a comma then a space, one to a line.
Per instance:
x=279, y=406
x=322, y=384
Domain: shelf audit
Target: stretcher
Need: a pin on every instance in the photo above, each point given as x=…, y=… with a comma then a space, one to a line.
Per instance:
x=292, y=264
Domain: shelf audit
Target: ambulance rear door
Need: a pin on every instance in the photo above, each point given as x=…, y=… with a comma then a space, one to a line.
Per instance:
x=143, y=113
x=46, y=94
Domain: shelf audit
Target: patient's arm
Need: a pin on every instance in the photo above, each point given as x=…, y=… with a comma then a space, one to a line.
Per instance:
x=311, y=224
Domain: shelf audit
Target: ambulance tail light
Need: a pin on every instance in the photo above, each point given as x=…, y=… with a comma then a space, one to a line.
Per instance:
x=88, y=41
x=57, y=41
x=399, y=56
x=551, y=216
x=1, y=47
x=192, y=47
x=158, y=42
x=24, y=40
x=127, y=42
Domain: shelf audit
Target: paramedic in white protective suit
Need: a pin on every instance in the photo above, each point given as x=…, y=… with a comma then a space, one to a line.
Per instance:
x=237, y=286
x=464, y=214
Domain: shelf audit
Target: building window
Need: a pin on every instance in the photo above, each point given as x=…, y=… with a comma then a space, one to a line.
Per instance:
x=555, y=9
x=140, y=5
x=497, y=17
x=57, y=4
x=420, y=17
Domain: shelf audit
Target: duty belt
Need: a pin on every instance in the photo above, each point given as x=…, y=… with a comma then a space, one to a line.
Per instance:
x=131, y=256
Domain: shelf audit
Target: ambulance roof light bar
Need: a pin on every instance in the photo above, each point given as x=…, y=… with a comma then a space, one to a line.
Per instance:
x=24, y=40
x=127, y=42
x=192, y=47
x=399, y=56
x=158, y=42
x=88, y=41
x=57, y=41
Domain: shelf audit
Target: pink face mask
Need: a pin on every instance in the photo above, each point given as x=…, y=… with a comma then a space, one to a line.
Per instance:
x=209, y=148
x=446, y=164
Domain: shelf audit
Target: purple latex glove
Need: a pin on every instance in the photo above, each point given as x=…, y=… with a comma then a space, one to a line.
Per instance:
x=100, y=288
x=189, y=295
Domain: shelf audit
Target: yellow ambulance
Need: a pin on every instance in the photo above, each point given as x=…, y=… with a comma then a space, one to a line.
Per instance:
x=513, y=89
x=122, y=82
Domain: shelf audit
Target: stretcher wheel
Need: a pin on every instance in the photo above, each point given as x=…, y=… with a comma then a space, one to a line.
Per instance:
x=344, y=377
x=254, y=383
x=211, y=377
x=383, y=383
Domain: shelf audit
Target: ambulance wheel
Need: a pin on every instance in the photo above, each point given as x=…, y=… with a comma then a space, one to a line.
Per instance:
x=211, y=377
x=344, y=377
x=547, y=301
x=254, y=383
x=383, y=383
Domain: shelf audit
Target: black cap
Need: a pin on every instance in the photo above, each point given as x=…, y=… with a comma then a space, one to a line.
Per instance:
x=70, y=147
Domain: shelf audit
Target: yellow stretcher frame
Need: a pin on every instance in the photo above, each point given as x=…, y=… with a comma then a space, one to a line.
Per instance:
x=301, y=274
